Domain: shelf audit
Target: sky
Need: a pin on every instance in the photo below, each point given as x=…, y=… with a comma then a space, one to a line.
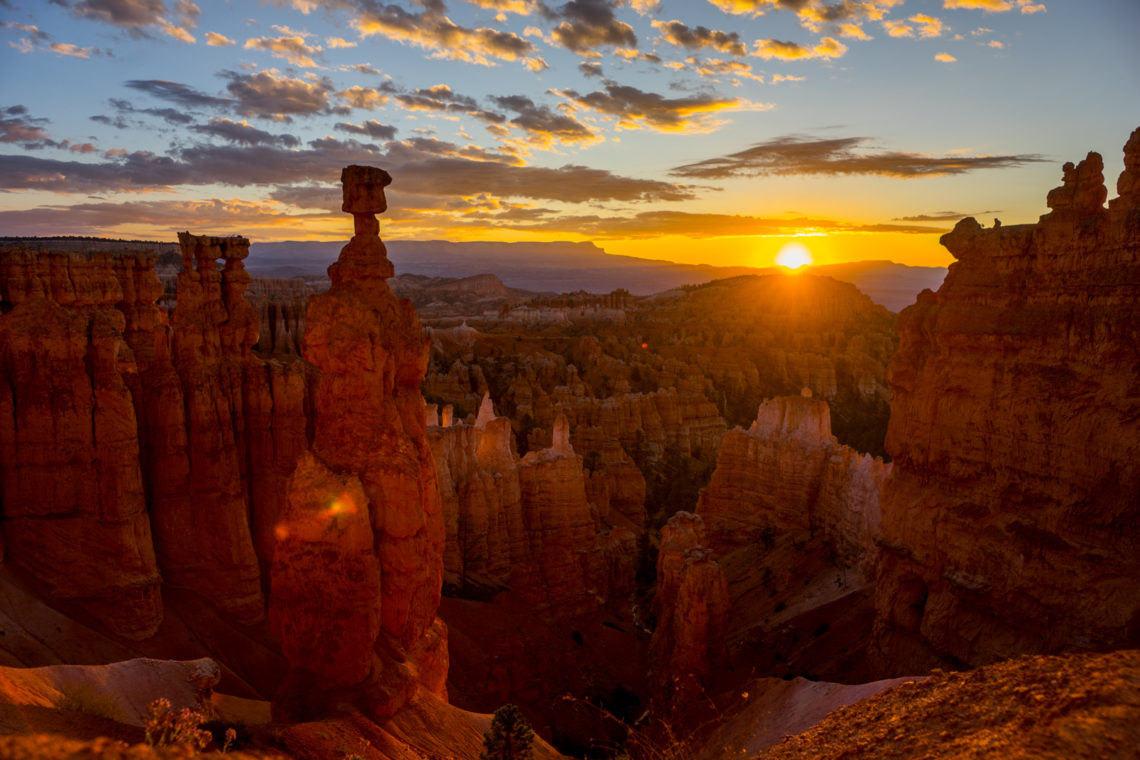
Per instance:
x=705, y=131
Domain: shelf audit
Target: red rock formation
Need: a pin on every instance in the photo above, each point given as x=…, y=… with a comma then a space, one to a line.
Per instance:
x=200, y=510
x=478, y=476
x=1010, y=523
x=692, y=606
x=74, y=507
x=280, y=305
x=368, y=421
x=788, y=475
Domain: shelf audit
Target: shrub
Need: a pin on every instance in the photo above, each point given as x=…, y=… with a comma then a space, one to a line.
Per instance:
x=165, y=727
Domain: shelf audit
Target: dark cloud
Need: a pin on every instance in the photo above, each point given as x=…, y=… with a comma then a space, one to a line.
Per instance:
x=372, y=128
x=590, y=68
x=591, y=24
x=273, y=96
x=138, y=17
x=943, y=216
x=243, y=134
x=323, y=197
x=104, y=218
x=543, y=123
x=795, y=154
x=653, y=224
x=169, y=115
x=176, y=92
x=26, y=131
x=365, y=68
x=635, y=108
x=422, y=166
x=129, y=14
x=696, y=38
x=443, y=98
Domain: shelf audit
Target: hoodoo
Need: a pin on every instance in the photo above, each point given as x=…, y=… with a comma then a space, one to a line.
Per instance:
x=366, y=496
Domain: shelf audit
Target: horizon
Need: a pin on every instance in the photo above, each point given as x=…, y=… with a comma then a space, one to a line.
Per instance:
x=712, y=134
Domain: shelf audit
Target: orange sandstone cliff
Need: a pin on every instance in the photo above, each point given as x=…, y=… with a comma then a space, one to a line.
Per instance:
x=1010, y=523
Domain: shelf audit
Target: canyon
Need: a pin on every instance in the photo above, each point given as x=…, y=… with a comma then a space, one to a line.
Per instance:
x=687, y=508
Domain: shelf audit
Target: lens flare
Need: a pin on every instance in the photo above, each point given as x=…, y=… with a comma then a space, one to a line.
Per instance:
x=794, y=255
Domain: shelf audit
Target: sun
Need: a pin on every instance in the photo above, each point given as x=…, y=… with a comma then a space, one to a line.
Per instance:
x=794, y=255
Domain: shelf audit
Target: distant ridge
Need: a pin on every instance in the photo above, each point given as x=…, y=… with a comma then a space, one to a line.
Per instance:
x=557, y=267
x=563, y=267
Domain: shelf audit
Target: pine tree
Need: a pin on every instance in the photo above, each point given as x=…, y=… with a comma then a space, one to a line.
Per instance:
x=510, y=736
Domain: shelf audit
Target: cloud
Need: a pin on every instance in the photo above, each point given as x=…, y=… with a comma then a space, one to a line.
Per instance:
x=27, y=131
x=337, y=42
x=637, y=109
x=242, y=133
x=995, y=44
x=364, y=98
x=590, y=68
x=696, y=38
x=420, y=166
x=169, y=115
x=73, y=51
x=365, y=68
x=591, y=24
x=777, y=78
x=817, y=15
x=928, y=26
x=713, y=67
x=521, y=7
x=176, y=92
x=371, y=128
x=945, y=58
x=996, y=6
x=654, y=224
x=157, y=217
x=432, y=30
x=898, y=28
x=213, y=39
x=795, y=154
x=645, y=7
x=292, y=48
x=943, y=216
x=854, y=32
x=136, y=17
x=267, y=94
x=37, y=38
x=828, y=48
x=543, y=125
x=443, y=98
x=324, y=197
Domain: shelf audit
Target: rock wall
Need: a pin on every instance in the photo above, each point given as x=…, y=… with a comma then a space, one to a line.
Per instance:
x=73, y=499
x=478, y=473
x=691, y=605
x=370, y=486
x=1011, y=524
x=152, y=444
x=560, y=539
x=788, y=475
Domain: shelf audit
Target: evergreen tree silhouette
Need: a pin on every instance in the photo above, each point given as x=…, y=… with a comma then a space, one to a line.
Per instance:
x=510, y=736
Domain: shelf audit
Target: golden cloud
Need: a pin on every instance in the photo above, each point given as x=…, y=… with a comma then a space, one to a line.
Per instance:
x=828, y=48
